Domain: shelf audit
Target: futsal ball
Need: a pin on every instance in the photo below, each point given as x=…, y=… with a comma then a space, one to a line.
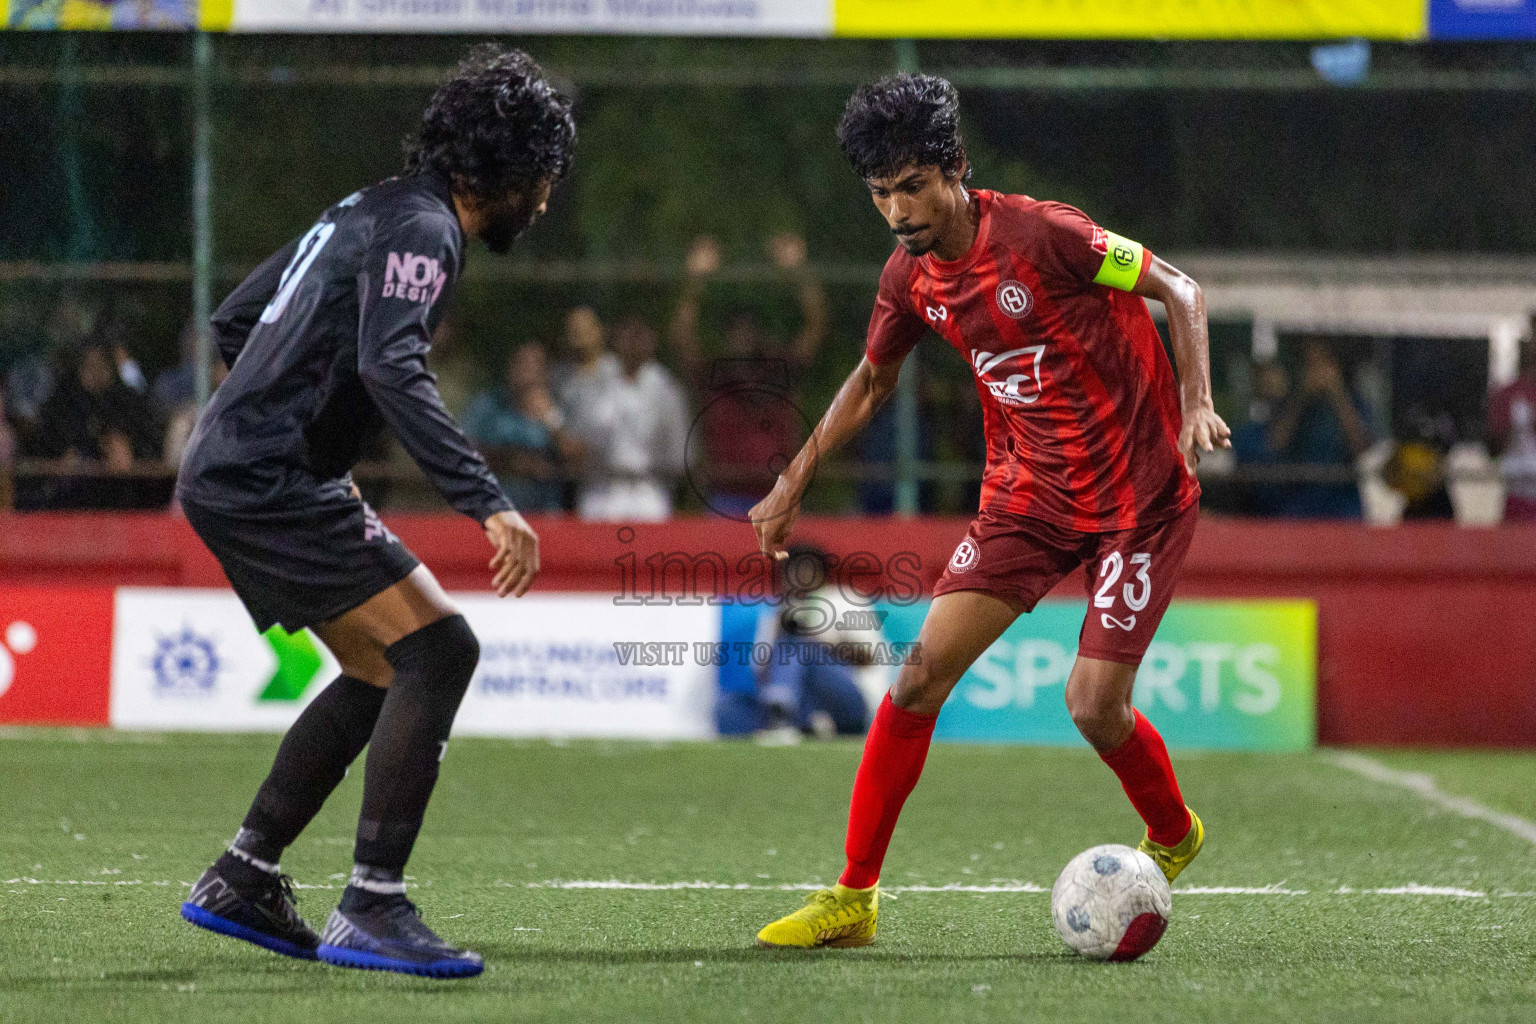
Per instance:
x=1111, y=903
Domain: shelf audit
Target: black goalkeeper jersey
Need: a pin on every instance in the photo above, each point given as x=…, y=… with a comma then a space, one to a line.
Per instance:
x=326, y=343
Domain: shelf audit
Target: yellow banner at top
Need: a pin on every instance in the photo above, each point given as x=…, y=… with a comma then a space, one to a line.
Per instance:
x=1132, y=19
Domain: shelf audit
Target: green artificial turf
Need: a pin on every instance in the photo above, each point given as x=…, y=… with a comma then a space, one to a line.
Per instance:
x=118, y=808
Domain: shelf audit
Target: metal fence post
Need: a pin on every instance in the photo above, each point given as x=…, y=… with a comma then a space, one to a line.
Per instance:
x=202, y=215
x=906, y=385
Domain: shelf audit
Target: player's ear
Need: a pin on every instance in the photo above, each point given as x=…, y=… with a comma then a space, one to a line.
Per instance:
x=960, y=170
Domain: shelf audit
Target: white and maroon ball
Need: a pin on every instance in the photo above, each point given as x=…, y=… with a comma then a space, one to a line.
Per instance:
x=1111, y=903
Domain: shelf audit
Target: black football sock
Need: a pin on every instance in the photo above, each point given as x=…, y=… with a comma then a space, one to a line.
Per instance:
x=432, y=670
x=310, y=764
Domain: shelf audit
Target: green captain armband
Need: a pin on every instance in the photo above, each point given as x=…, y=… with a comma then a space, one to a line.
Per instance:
x=1122, y=263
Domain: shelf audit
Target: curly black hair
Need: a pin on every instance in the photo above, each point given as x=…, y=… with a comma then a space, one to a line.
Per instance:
x=496, y=126
x=900, y=120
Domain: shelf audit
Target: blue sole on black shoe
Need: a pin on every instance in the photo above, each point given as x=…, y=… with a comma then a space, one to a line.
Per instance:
x=364, y=961
x=197, y=915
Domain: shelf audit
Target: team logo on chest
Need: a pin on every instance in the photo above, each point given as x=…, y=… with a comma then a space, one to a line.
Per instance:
x=1014, y=299
x=1012, y=377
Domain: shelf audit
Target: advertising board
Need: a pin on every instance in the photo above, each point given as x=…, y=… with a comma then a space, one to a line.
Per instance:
x=551, y=665
x=1132, y=19
x=1482, y=19
x=192, y=659
x=609, y=17
x=1220, y=674
x=55, y=645
x=927, y=19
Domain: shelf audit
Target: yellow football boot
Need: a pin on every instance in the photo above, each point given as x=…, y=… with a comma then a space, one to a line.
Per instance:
x=839, y=917
x=1173, y=859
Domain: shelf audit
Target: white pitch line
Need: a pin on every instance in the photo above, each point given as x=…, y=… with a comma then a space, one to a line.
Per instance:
x=1414, y=889
x=1424, y=786
x=1276, y=889
x=1029, y=888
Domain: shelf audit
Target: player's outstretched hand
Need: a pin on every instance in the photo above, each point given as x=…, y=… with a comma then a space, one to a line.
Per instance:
x=773, y=518
x=516, y=561
x=1203, y=430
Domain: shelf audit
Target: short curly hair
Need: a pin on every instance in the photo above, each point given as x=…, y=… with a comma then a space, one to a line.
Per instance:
x=497, y=125
x=900, y=120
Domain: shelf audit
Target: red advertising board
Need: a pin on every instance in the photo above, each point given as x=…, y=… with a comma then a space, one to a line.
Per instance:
x=55, y=655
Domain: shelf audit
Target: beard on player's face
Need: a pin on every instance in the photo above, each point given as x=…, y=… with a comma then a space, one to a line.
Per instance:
x=917, y=203
x=505, y=219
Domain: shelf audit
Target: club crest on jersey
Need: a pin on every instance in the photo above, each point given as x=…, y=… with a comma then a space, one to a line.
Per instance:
x=413, y=278
x=1012, y=377
x=1014, y=299
x=965, y=556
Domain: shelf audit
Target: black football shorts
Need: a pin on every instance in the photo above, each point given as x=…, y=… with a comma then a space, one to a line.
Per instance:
x=318, y=554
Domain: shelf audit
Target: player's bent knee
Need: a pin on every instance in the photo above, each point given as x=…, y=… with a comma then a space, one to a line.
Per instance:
x=446, y=651
x=1103, y=721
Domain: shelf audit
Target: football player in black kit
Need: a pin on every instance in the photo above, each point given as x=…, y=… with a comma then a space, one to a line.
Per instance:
x=326, y=343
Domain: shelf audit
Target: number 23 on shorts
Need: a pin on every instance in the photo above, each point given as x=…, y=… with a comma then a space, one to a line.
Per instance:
x=1136, y=593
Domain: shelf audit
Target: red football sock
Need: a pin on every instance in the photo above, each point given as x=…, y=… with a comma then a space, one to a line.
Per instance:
x=893, y=759
x=1142, y=764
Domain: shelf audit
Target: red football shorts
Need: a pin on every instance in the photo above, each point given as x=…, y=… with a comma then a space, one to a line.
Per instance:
x=1131, y=573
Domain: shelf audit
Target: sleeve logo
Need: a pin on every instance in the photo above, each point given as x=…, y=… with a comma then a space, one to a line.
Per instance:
x=1014, y=299
x=1100, y=241
x=413, y=278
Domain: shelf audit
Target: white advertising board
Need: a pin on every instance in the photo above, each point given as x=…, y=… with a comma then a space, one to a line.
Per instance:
x=640, y=17
x=192, y=660
x=549, y=667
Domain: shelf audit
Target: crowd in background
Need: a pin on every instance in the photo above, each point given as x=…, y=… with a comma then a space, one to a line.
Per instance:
x=1415, y=461
x=618, y=418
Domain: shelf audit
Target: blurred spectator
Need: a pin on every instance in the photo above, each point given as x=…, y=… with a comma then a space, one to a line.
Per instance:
x=452, y=364
x=592, y=366
x=7, y=459
x=128, y=369
x=27, y=387
x=177, y=386
x=1416, y=468
x=1322, y=424
x=31, y=380
x=93, y=416
x=182, y=417
x=633, y=425
x=1512, y=433
x=95, y=423
x=810, y=687
x=521, y=432
x=751, y=422
x=1250, y=441
x=7, y=441
x=1416, y=471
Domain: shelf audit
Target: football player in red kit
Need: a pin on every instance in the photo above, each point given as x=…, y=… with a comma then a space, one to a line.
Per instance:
x=1091, y=452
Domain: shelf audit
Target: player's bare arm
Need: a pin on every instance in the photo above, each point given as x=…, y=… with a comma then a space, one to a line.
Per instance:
x=861, y=396
x=1203, y=430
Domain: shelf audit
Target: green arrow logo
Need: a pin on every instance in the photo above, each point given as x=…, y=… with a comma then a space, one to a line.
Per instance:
x=298, y=663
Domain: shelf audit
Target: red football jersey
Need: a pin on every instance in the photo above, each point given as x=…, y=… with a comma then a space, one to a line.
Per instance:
x=1081, y=406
